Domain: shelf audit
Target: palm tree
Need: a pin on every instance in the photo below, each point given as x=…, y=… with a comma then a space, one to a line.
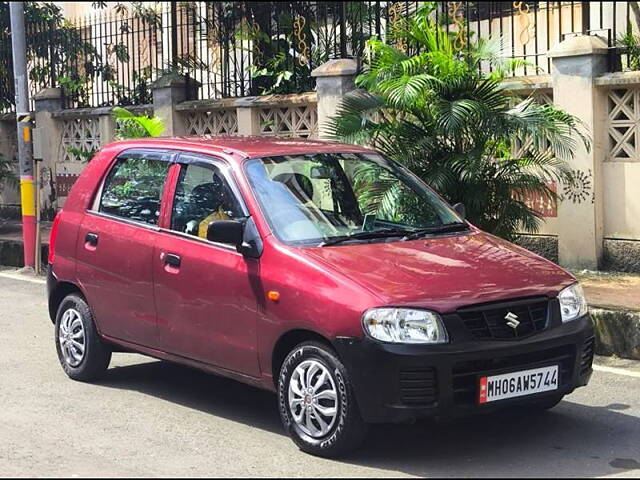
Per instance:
x=455, y=127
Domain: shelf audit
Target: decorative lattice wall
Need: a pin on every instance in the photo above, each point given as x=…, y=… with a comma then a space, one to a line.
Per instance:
x=542, y=97
x=82, y=133
x=290, y=121
x=623, y=124
x=545, y=206
x=223, y=121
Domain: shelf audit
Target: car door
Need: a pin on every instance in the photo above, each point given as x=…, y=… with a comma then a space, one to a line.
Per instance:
x=207, y=310
x=115, y=246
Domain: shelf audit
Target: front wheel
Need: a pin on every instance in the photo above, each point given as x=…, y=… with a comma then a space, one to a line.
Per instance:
x=317, y=403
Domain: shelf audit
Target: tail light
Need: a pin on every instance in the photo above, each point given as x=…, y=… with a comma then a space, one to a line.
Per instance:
x=52, y=238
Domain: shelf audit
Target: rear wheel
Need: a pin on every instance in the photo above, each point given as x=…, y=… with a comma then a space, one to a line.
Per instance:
x=82, y=354
x=317, y=404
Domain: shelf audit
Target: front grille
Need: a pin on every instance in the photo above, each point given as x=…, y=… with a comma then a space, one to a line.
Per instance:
x=489, y=321
x=587, y=356
x=465, y=374
x=418, y=386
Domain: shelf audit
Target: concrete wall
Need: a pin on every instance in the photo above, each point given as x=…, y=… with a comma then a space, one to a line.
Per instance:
x=614, y=172
x=9, y=194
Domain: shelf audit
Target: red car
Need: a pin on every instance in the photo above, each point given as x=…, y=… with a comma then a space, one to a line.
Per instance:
x=321, y=271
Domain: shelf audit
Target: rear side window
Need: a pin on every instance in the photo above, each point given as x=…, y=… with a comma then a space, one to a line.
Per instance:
x=133, y=188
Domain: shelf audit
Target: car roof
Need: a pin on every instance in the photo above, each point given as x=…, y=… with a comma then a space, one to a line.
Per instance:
x=247, y=147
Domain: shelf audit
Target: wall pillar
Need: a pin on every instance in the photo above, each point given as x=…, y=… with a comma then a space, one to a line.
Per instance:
x=46, y=147
x=248, y=117
x=168, y=91
x=107, y=127
x=334, y=79
x=576, y=62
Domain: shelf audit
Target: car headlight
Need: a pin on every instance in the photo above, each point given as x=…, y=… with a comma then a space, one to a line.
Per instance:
x=573, y=303
x=404, y=325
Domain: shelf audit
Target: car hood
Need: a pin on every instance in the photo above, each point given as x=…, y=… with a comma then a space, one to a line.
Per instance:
x=444, y=273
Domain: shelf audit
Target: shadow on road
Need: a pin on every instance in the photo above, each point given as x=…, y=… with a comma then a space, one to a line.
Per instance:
x=571, y=440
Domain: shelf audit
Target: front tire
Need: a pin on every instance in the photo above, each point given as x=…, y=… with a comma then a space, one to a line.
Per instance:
x=82, y=354
x=317, y=404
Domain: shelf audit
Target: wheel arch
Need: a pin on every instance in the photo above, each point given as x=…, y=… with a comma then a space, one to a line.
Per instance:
x=60, y=291
x=285, y=344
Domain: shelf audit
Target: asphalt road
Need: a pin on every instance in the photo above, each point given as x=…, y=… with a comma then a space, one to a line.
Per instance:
x=150, y=418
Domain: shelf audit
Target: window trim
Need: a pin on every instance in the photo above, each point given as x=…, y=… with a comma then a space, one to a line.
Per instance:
x=180, y=158
x=168, y=157
x=206, y=161
x=128, y=221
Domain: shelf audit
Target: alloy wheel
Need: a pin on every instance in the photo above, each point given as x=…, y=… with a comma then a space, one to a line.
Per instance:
x=71, y=336
x=313, y=398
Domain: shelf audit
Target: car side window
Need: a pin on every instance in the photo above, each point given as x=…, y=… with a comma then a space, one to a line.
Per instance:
x=203, y=195
x=133, y=189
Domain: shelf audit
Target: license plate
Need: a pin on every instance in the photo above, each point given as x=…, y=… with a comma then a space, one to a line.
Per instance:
x=517, y=384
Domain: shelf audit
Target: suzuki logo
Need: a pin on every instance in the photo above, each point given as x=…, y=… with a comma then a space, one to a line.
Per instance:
x=512, y=320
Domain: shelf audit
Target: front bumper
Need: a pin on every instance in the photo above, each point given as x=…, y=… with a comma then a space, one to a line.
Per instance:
x=396, y=383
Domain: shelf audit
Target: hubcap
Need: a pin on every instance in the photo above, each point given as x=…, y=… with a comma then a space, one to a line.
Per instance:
x=71, y=337
x=313, y=398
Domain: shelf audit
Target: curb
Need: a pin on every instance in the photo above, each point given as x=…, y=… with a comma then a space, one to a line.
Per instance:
x=617, y=332
x=12, y=253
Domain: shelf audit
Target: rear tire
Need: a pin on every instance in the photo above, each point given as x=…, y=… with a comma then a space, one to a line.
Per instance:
x=82, y=354
x=317, y=404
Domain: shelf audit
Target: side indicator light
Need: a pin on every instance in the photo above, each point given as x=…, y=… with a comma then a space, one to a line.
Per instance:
x=273, y=295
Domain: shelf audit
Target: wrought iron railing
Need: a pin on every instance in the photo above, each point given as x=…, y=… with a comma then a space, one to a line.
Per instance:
x=232, y=49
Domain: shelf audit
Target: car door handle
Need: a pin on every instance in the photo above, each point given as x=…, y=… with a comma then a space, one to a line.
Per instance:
x=172, y=259
x=91, y=239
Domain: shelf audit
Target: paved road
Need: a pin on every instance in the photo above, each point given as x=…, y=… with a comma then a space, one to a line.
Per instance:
x=149, y=418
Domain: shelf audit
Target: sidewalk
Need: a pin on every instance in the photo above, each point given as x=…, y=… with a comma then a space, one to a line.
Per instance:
x=611, y=290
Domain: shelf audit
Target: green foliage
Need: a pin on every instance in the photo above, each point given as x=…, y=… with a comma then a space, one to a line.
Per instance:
x=83, y=155
x=129, y=125
x=57, y=41
x=455, y=128
x=631, y=44
x=279, y=55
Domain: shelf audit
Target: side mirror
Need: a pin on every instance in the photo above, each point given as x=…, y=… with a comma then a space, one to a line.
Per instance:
x=460, y=209
x=225, y=231
x=243, y=235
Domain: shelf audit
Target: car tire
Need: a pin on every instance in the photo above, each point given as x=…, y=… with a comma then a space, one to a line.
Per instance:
x=82, y=354
x=316, y=366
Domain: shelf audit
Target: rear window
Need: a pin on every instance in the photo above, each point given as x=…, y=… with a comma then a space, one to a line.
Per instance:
x=133, y=188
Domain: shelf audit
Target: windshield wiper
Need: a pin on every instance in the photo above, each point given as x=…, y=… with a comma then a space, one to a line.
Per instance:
x=444, y=228
x=380, y=233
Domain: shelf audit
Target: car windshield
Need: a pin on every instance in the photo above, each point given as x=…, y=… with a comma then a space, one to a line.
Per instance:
x=331, y=197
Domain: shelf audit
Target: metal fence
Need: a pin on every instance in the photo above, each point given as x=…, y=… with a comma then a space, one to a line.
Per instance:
x=231, y=49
